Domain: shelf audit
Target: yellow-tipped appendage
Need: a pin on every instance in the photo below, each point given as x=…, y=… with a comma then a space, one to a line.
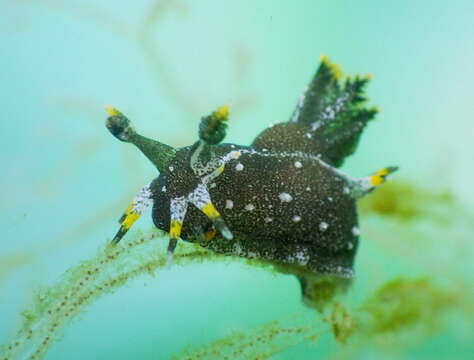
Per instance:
x=175, y=229
x=335, y=68
x=210, y=211
x=221, y=114
x=219, y=170
x=111, y=110
x=129, y=217
x=379, y=177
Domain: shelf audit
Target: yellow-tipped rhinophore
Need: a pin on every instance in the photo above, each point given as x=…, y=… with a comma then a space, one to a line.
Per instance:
x=111, y=110
x=222, y=113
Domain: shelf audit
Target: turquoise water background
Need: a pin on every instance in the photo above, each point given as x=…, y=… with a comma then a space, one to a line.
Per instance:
x=66, y=180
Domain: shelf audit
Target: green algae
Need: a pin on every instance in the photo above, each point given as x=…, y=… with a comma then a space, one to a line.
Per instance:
x=259, y=343
x=342, y=323
x=53, y=308
x=402, y=303
x=406, y=201
x=400, y=311
x=396, y=307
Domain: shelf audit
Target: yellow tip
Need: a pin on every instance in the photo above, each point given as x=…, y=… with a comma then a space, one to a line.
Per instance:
x=210, y=211
x=336, y=70
x=376, y=180
x=222, y=113
x=129, y=220
x=111, y=110
x=129, y=217
x=367, y=77
x=379, y=177
x=220, y=170
x=175, y=229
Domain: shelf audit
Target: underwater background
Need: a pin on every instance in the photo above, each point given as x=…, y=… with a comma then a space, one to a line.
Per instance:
x=66, y=180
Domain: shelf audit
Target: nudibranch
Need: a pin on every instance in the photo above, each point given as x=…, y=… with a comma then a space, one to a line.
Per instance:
x=280, y=200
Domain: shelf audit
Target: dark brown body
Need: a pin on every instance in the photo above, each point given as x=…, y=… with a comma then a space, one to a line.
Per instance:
x=281, y=200
x=265, y=226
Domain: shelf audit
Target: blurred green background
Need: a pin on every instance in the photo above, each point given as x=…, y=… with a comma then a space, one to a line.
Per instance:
x=66, y=180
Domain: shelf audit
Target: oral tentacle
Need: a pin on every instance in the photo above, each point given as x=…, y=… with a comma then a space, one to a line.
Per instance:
x=178, y=209
x=201, y=198
x=137, y=206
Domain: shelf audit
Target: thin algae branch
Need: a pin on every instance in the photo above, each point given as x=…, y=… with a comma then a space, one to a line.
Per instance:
x=262, y=342
x=53, y=308
x=399, y=310
x=143, y=36
x=394, y=309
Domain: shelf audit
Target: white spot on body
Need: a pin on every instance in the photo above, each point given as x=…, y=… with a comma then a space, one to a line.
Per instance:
x=323, y=226
x=350, y=246
x=296, y=218
x=285, y=197
x=308, y=135
x=298, y=165
x=229, y=204
x=346, y=190
x=308, y=188
x=249, y=207
x=163, y=189
x=212, y=185
x=171, y=168
x=302, y=258
x=330, y=198
x=238, y=249
x=239, y=167
x=268, y=219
